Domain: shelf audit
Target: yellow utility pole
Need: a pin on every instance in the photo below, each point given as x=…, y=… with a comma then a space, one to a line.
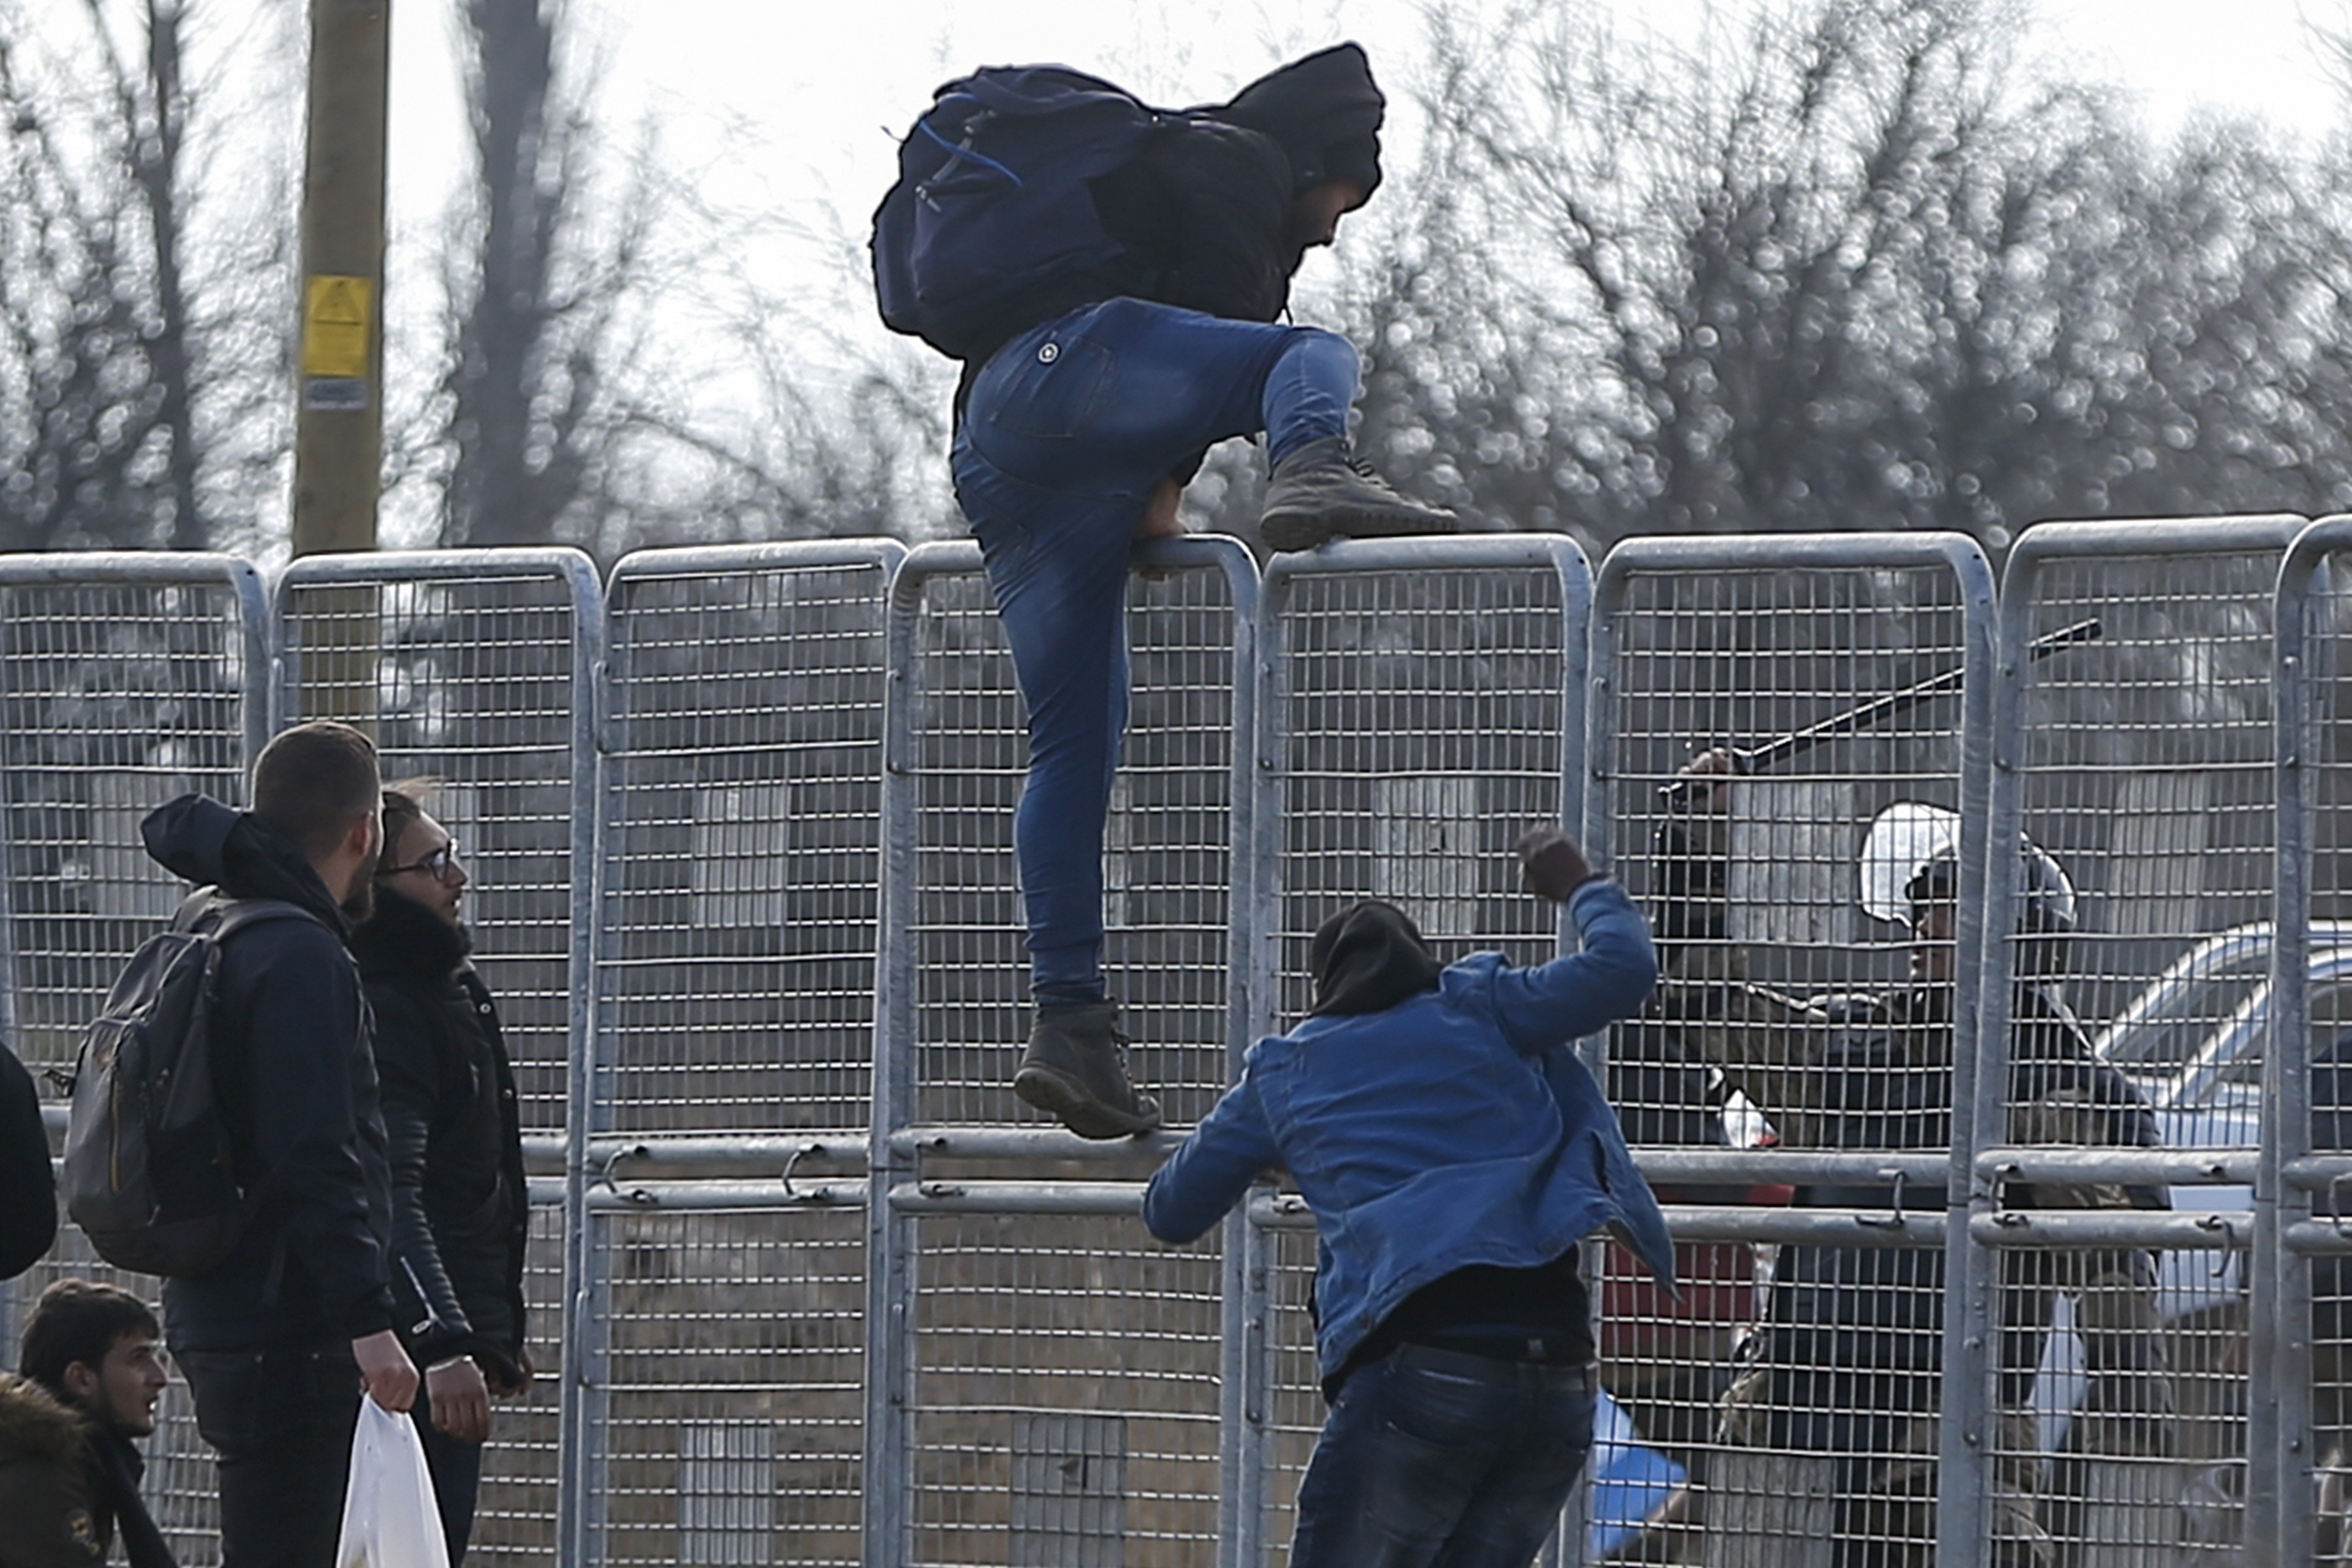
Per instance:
x=339, y=425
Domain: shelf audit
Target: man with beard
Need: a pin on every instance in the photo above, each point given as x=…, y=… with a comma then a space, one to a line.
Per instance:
x=95, y=1350
x=277, y=1340
x=460, y=1210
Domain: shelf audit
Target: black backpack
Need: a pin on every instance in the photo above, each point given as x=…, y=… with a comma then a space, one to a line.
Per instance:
x=992, y=201
x=149, y=1175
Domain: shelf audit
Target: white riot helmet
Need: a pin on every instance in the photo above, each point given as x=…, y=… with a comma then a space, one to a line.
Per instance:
x=1912, y=854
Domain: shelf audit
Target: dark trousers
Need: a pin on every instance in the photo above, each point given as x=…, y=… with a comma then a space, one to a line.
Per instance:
x=280, y=1422
x=456, y=1467
x=1435, y=1458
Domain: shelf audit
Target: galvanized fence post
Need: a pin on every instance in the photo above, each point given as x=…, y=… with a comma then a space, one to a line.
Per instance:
x=479, y=668
x=2133, y=751
x=1819, y=665
x=124, y=679
x=2301, y=1339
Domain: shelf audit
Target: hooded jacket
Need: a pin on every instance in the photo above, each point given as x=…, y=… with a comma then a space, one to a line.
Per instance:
x=459, y=1208
x=1452, y=1129
x=1205, y=211
x=47, y=1519
x=298, y=1090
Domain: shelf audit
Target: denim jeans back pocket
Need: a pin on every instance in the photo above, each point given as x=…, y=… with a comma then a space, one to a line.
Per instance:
x=1047, y=390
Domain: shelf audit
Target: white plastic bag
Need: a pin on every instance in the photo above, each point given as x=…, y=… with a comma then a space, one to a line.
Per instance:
x=390, y=1518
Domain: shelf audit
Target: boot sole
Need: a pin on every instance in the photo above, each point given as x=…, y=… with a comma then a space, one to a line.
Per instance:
x=1304, y=530
x=1067, y=1099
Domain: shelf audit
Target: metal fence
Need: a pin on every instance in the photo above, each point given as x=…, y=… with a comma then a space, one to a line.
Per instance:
x=810, y=1285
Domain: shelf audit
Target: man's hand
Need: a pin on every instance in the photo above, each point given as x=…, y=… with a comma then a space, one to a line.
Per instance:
x=506, y=1383
x=1554, y=864
x=385, y=1370
x=460, y=1399
x=1710, y=774
x=1161, y=520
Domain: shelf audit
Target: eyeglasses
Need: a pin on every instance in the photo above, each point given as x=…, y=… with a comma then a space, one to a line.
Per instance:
x=437, y=864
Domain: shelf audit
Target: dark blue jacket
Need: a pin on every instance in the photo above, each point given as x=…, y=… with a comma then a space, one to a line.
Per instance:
x=298, y=1088
x=1455, y=1128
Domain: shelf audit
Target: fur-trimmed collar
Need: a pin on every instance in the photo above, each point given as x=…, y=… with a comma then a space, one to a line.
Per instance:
x=34, y=1424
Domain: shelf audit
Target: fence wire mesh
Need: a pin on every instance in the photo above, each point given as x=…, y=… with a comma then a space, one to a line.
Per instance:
x=1428, y=710
x=122, y=685
x=1797, y=1425
x=1071, y=1397
x=2138, y=930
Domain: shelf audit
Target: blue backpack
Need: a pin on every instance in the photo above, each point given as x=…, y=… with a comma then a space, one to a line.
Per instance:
x=992, y=204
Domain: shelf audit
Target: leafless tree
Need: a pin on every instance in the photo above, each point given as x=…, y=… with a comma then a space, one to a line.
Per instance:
x=111, y=365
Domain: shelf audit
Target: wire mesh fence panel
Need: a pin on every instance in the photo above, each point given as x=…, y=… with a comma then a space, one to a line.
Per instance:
x=742, y=849
x=1785, y=1411
x=470, y=668
x=121, y=688
x=2131, y=890
x=2306, y=1007
x=124, y=681
x=733, y=1376
x=473, y=670
x=1068, y=1376
x=1168, y=860
x=1425, y=711
x=1061, y=1369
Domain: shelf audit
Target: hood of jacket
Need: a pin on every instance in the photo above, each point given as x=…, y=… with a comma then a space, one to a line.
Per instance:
x=198, y=839
x=34, y=1424
x=403, y=939
x=1369, y=957
x=1324, y=111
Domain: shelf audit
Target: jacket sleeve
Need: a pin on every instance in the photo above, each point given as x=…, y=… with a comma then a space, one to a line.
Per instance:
x=407, y=1063
x=1229, y=192
x=316, y=1128
x=1211, y=1170
x=28, y=1196
x=1578, y=995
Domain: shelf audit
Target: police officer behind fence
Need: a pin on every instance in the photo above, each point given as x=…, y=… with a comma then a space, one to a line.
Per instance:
x=1829, y=1437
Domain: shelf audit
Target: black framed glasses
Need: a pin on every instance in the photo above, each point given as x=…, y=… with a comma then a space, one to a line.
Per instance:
x=437, y=864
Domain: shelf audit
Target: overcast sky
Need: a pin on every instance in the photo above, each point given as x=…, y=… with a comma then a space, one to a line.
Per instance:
x=811, y=93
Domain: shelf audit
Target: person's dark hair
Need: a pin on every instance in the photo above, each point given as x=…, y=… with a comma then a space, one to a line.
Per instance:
x=313, y=781
x=79, y=1321
x=403, y=805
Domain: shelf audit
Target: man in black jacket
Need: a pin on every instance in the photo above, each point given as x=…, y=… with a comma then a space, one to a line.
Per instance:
x=277, y=1340
x=29, y=1191
x=1076, y=435
x=97, y=1350
x=460, y=1213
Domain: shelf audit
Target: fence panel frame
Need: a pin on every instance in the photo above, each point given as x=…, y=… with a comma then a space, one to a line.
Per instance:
x=1250, y=1308
x=1962, y=1472
x=582, y=1343
x=2299, y=674
x=2039, y=547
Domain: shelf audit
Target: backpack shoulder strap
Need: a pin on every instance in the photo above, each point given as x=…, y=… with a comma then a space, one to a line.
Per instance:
x=210, y=912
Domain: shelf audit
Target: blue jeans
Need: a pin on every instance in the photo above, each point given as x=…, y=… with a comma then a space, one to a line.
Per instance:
x=1432, y=1458
x=1067, y=431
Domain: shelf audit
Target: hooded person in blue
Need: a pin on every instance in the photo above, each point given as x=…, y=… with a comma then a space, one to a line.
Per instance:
x=1455, y=1153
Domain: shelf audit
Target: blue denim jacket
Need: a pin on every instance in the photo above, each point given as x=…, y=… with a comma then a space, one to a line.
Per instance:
x=1454, y=1128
